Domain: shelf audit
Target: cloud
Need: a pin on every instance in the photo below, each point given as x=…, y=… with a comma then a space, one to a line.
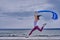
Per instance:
x=20, y=13
x=56, y=5
x=9, y=22
x=27, y=5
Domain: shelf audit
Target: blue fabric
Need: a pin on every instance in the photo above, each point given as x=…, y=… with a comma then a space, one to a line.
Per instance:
x=55, y=16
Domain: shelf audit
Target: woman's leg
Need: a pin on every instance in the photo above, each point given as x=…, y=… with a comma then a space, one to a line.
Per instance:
x=33, y=30
x=41, y=27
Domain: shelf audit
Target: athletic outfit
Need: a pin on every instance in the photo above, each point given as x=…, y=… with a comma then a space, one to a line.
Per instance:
x=36, y=27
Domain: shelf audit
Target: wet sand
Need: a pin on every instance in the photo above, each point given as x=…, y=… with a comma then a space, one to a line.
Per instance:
x=30, y=38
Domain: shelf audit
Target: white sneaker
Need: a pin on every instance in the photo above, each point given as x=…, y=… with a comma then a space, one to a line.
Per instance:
x=26, y=36
x=44, y=24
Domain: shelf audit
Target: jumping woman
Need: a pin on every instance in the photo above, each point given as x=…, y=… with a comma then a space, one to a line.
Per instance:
x=36, y=20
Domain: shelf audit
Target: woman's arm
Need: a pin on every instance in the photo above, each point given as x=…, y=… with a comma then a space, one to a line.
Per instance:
x=35, y=16
x=35, y=13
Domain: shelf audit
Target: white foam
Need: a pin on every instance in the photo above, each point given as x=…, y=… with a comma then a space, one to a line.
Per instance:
x=30, y=38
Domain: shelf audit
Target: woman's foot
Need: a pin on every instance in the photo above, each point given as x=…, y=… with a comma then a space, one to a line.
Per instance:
x=26, y=36
x=44, y=24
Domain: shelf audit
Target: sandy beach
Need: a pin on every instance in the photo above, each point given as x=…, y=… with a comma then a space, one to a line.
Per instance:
x=30, y=38
x=36, y=35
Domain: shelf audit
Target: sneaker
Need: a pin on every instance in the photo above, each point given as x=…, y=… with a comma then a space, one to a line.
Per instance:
x=44, y=24
x=26, y=36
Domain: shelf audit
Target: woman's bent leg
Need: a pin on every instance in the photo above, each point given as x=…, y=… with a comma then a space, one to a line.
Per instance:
x=40, y=29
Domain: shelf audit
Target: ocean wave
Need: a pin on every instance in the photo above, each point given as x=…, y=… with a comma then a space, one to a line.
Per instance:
x=23, y=35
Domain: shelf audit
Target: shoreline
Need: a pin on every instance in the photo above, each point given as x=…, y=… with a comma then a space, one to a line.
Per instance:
x=30, y=38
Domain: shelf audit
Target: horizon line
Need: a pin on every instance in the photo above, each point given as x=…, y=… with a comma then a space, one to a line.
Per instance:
x=29, y=29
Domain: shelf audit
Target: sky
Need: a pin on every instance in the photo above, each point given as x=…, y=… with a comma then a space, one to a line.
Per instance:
x=17, y=14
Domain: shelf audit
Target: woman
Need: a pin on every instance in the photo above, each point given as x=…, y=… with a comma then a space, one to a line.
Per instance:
x=36, y=20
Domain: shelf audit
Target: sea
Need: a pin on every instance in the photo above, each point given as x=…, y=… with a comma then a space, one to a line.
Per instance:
x=24, y=32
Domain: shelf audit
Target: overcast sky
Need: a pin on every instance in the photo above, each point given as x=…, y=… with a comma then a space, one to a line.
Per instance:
x=20, y=13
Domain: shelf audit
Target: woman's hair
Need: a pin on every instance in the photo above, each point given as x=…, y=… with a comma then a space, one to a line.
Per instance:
x=38, y=16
